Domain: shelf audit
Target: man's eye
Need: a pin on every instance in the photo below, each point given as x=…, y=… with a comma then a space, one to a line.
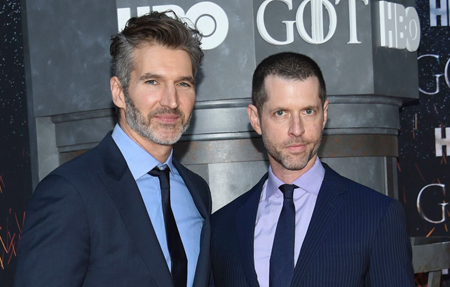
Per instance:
x=184, y=84
x=280, y=113
x=309, y=112
x=151, y=82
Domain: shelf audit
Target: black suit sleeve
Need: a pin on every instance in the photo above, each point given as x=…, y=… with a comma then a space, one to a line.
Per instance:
x=391, y=255
x=54, y=246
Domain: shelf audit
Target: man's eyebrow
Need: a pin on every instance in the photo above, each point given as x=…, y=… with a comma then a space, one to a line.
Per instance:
x=147, y=76
x=187, y=79
x=312, y=107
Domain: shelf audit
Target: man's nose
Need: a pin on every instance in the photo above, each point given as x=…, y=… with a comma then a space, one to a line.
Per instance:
x=169, y=98
x=296, y=127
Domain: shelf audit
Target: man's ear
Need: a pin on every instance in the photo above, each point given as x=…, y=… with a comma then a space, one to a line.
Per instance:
x=253, y=116
x=325, y=113
x=117, y=94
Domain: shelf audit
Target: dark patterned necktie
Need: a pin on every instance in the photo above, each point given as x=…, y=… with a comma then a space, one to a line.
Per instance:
x=174, y=243
x=282, y=257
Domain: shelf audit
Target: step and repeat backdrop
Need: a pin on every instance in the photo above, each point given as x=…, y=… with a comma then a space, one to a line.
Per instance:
x=378, y=58
x=15, y=162
x=424, y=140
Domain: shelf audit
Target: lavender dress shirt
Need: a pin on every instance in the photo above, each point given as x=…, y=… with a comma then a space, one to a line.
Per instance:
x=269, y=210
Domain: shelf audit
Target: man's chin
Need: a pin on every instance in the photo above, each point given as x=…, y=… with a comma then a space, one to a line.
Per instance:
x=166, y=140
x=294, y=167
x=294, y=163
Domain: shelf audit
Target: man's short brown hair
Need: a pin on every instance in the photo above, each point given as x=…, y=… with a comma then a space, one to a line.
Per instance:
x=286, y=65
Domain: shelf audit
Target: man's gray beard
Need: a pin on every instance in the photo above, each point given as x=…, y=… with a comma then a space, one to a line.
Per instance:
x=290, y=162
x=141, y=125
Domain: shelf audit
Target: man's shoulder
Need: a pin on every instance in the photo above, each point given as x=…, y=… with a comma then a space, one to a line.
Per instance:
x=84, y=174
x=86, y=163
x=355, y=191
x=230, y=208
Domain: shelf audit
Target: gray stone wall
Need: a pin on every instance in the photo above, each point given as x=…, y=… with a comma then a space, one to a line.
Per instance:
x=366, y=82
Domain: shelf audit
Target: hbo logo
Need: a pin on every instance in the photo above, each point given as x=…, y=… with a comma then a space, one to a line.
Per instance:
x=209, y=18
x=399, y=26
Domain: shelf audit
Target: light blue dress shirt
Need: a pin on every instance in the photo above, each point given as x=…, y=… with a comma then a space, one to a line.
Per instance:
x=188, y=219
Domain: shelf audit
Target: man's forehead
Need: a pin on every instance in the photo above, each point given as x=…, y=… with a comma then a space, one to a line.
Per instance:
x=159, y=55
x=275, y=83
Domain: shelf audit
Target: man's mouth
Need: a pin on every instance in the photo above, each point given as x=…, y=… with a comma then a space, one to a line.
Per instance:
x=167, y=118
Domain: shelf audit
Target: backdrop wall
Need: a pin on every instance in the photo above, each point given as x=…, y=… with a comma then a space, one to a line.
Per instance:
x=15, y=164
x=367, y=51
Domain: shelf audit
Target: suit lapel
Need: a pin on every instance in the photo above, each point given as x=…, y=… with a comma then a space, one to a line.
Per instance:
x=123, y=190
x=200, y=195
x=245, y=223
x=328, y=204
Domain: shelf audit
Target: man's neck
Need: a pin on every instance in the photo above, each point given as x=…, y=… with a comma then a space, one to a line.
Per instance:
x=286, y=175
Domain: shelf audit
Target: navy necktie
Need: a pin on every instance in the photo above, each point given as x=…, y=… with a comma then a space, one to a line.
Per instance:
x=174, y=243
x=282, y=257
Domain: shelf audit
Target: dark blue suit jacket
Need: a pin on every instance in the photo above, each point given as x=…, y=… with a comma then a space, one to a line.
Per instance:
x=356, y=237
x=87, y=225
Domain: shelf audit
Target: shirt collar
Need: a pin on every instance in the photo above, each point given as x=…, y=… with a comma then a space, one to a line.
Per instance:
x=310, y=181
x=139, y=161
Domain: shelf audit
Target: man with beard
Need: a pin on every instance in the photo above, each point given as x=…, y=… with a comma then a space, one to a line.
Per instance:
x=303, y=224
x=127, y=213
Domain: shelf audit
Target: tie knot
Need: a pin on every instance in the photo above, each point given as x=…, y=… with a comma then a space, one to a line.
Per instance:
x=158, y=172
x=288, y=190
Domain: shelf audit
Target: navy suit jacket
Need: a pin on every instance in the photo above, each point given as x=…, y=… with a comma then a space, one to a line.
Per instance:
x=356, y=237
x=87, y=225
